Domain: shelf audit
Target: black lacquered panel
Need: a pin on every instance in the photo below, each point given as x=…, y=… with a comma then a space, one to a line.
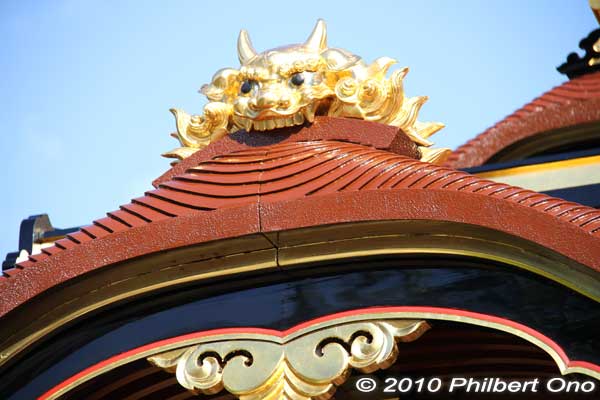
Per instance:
x=565, y=316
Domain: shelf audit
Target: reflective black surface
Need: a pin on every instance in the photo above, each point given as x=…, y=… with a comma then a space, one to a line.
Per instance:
x=567, y=317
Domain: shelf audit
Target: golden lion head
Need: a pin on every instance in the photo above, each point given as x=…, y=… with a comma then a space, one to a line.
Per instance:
x=289, y=85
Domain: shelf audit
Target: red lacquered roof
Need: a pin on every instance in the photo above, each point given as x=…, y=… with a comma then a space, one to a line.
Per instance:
x=572, y=103
x=297, y=184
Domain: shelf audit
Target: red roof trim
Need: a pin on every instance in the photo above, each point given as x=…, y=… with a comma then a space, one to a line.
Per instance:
x=432, y=313
x=574, y=102
x=350, y=183
x=372, y=134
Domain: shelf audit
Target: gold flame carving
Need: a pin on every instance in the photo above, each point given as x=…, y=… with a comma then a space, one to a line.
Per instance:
x=289, y=85
x=304, y=367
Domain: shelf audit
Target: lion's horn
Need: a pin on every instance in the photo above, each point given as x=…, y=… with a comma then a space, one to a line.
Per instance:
x=244, y=47
x=317, y=40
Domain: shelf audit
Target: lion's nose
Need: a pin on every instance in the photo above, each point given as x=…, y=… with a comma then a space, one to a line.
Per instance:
x=266, y=99
x=263, y=100
x=284, y=101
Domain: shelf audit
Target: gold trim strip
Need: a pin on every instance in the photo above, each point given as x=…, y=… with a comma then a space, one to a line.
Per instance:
x=595, y=6
x=236, y=264
x=297, y=247
x=566, y=273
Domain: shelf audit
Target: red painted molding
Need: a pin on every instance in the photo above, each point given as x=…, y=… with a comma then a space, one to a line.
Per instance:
x=302, y=184
x=432, y=313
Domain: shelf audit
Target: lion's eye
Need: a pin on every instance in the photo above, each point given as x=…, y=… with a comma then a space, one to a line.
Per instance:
x=246, y=87
x=297, y=79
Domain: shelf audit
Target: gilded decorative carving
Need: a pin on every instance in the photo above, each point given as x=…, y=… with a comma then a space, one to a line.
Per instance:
x=309, y=365
x=289, y=85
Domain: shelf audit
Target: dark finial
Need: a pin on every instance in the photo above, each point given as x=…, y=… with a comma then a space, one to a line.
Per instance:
x=590, y=62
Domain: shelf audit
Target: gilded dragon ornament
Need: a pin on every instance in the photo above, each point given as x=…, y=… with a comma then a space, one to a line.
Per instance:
x=288, y=86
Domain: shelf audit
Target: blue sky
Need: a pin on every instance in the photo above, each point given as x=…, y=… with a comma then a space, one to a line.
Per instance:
x=86, y=85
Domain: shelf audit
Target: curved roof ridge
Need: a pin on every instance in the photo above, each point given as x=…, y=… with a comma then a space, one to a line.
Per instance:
x=239, y=188
x=301, y=169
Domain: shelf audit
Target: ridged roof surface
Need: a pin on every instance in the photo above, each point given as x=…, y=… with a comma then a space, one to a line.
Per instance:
x=574, y=102
x=300, y=169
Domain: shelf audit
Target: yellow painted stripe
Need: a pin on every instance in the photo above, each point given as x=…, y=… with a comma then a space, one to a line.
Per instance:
x=550, y=176
x=575, y=162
